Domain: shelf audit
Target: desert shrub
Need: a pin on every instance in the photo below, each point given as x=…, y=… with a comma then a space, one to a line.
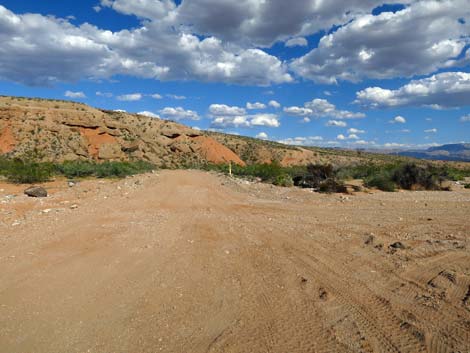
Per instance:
x=467, y=186
x=321, y=171
x=410, y=175
x=381, y=181
x=4, y=165
x=365, y=171
x=27, y=171
x=80, y=169
x=121, y=169
x=389, y=176
x=283, y=180
x=266, y=171
x=331, y=185
x=76, y=169
x=451, y=173
x=314, y=175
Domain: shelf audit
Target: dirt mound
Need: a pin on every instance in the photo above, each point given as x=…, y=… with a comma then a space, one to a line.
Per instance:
x=215, y=152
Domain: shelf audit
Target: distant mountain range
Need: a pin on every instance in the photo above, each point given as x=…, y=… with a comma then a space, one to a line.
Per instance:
x=454, y=152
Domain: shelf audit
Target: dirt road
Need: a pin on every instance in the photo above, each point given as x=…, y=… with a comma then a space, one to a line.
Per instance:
x=186, y=261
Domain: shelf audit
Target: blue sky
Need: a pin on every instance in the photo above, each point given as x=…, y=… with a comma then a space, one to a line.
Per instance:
x=356, y=74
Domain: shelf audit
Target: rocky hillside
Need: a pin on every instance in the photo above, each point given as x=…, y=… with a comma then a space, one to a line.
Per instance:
x=64, y=130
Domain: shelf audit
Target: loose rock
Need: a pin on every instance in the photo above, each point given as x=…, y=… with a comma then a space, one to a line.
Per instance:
x=369, y=239
x=397, y=245
x=36, y=191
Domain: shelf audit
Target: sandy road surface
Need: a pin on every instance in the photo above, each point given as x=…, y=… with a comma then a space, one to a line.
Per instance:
x=186, y=261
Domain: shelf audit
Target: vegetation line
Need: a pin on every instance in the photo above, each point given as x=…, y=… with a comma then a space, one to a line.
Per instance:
x=321, y=177
x=28, y=171
x=327, y=178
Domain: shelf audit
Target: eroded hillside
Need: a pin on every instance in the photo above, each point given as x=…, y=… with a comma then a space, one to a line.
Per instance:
x=69, y=131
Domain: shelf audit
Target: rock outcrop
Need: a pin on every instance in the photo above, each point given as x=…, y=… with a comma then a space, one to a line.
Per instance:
x=62, y=130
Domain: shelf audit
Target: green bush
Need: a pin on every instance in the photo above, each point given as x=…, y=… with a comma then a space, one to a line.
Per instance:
x=284, y=180
x=76, y=169
x=119, y=169
x=28, y=172
x=326, y=178
x=314, y=175
x=451, y=173
x=467, y=186
x=411, y=176
x=380, y=181
x=390, y=176
x=80, y=169
x=266, y=172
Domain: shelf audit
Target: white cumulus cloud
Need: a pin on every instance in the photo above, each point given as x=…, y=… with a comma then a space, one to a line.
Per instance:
x=444, y=90
x=297, y=42
x=336, y=123
x=271, y=120
x=149, y=114
x=398, y=120
x=257, y=105
x=224, y=116
x=178, y=113
x=44, y=50
x=262, y=136
x=356, y=131
x=223, y=109
x=274, y=104
x=302, y=141
x=132, y=97
x=71, y=94
x=322, y=108
x=418, y=40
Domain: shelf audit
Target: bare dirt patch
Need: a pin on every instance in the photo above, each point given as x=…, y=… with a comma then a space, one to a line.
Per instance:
x=186, y=261
x=7, y=140
x=215, y=152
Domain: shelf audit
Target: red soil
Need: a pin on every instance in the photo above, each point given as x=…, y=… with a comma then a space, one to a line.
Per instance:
x=215, y=152
x=7, y=140
x=96, y=139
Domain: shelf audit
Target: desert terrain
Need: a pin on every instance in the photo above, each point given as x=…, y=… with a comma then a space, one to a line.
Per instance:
x=189, y=261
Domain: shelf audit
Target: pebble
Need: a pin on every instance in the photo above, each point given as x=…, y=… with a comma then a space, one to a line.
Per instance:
x=397, y=245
